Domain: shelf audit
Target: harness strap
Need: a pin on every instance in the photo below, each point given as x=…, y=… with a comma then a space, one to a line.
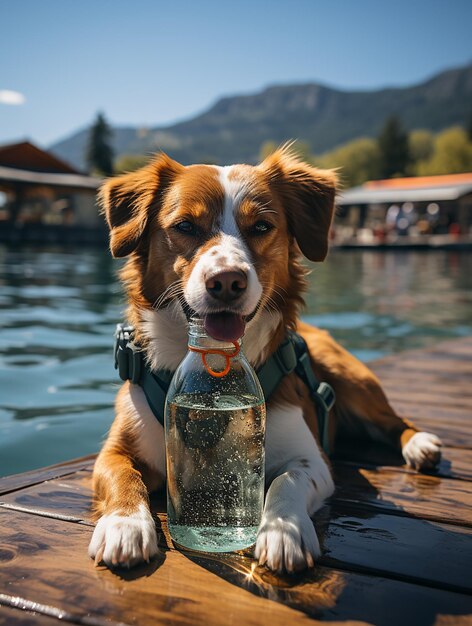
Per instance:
x=129, y=362
x=321, y=393
x=291, y=356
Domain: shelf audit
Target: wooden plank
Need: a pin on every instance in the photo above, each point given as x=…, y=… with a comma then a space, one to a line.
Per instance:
x=455, y=462
x=47, y=563
x=20, y=617
x=455, y=349
x=402, y=383
x=434, y=390
x=432, y=379
x=446, y=369
x=454, y=353
x=455, y=345
x=420, y=495
x=462, y=346
x=423, y=364
x=453, y=432
x=439, y=376
x=18, y=481
x=371, y=542
x=388, y=490
x=424, y=397
x=379, y=542
x=427, y=553
x=433, y=412
x=68, y=498
x=394, y=371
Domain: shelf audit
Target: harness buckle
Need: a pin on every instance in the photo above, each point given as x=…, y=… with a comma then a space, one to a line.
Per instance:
x=127, y=356
x=326, y=396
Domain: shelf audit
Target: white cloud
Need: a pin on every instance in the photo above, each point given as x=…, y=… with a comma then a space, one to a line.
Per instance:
x=11, y=97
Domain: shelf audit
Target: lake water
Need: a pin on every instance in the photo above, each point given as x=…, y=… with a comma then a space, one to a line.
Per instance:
x=59, y=308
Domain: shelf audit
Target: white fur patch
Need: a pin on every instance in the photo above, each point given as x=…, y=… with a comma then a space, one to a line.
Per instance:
x=166, y=330
x=229, y=254
x=287, y=539
x=288, y=441
x=124, y=541
x=422, y=451
x=148, y=432
x=235, y=191
x=259, y=332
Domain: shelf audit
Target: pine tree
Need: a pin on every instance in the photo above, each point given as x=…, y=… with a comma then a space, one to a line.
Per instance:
x=469, y=127
x=394, y=150
x=99, y=150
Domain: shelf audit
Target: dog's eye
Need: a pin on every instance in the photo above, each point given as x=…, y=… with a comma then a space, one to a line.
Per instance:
x=261, y=228
x=186, y=227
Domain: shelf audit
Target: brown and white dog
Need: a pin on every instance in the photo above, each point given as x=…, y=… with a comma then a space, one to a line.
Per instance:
x=225, y=242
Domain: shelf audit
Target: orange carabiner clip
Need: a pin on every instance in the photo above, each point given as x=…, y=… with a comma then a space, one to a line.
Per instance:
x=204, y=352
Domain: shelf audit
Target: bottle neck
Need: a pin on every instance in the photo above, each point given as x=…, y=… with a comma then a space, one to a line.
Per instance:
x=199, y=338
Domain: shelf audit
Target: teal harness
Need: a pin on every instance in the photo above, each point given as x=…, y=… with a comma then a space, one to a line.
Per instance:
x=291, y=356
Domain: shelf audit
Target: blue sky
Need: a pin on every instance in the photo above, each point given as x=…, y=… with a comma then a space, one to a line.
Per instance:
x=149, y=63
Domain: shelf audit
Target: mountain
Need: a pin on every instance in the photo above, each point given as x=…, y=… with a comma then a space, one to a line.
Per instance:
x=234, y=128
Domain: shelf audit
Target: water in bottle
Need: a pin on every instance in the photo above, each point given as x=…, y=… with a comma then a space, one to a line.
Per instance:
x=215, y=426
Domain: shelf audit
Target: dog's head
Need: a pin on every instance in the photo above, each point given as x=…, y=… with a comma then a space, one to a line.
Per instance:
x=224, y=241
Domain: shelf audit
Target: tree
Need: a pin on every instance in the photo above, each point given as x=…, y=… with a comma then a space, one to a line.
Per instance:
x=130, y=162
x=452, y=154
x=394, y=151
x=469, y=127
x=421, y=146
x=302, y=150
x=266, y=149
x=358, y=161
x=99, y=150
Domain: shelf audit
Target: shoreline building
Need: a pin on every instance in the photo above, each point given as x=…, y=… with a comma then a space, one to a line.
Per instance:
x=415, y=207
x=45, y=198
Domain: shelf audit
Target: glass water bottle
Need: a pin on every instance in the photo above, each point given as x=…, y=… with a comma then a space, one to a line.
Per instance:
x=215, y=427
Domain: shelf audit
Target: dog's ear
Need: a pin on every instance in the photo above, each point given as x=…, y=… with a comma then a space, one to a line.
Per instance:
x=128, y=200
x=307, y=194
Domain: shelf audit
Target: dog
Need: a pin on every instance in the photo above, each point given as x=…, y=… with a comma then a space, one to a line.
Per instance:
x=226, y=243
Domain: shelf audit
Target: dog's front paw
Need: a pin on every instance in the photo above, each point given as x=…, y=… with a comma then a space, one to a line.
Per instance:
x=423, y=451
x=124, y=541
x=287, y=543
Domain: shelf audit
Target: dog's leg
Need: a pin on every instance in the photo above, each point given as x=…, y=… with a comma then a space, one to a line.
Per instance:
x=125, y=534
x=367, y=403
x=360, y=399
x=300, y=481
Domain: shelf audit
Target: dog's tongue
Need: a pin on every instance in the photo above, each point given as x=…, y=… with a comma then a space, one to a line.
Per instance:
x=224, y=326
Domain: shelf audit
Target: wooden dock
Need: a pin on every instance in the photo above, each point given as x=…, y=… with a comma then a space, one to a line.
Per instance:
x=397, y=545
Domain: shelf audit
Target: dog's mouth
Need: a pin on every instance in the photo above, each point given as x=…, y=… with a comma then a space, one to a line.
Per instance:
x=221, y=325
x=225, y=326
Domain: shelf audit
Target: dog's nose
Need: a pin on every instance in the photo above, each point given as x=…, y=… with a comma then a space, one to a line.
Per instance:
x=227, y=286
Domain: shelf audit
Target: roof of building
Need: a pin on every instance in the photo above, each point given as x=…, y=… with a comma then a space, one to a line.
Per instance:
x=415, y=189
x=421, y=181
x=76, y=181
x=26, y=156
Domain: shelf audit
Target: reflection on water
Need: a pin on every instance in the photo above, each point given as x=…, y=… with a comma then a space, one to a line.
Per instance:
x=58, y=311
x=377, y=303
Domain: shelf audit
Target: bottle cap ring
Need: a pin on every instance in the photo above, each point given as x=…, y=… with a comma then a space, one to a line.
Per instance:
x=205, y=352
